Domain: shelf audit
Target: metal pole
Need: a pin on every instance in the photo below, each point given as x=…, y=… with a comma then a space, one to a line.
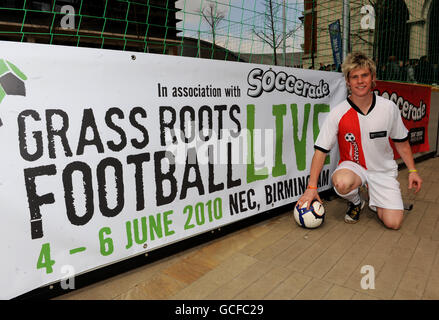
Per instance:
x=285, y=33
x=346, y=13
x=313, y=48
x=198, y=45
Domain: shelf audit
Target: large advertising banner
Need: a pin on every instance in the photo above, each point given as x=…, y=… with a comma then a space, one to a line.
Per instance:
x=106, y=155
x=413, y=102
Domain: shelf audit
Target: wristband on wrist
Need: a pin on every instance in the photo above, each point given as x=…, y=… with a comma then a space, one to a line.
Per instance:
x=414, y=170
x=312, y=187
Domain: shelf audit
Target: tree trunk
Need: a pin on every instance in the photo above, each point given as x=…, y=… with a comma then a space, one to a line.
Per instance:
x=273, y=32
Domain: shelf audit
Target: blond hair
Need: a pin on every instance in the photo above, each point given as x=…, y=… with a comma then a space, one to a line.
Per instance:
x=356, y=60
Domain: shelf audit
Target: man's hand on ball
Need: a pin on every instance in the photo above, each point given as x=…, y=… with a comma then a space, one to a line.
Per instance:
x=309, y=196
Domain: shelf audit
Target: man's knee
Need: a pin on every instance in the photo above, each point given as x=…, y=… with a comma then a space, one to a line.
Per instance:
x=342, y=186
x=393, y=221
x=394, y=225
x=345, y=180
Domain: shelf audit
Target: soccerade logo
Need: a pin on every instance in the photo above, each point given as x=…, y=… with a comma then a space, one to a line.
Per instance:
x=350, y=137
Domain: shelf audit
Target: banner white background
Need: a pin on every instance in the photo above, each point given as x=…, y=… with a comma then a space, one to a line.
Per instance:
x=88, y=136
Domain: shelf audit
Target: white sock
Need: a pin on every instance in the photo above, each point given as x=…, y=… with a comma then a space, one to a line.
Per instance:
x=353, y=196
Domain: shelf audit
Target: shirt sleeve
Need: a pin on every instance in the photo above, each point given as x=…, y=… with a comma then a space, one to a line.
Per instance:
x=399, y=132
x=328, y=134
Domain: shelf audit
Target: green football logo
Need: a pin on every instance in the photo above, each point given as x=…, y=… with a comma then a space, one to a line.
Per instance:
x=11, y=80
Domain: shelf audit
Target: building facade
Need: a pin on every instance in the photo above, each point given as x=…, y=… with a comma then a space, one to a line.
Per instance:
x=141, y=25
x=404, y=29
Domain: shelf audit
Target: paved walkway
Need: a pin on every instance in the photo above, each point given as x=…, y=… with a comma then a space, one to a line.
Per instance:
x=276, y=259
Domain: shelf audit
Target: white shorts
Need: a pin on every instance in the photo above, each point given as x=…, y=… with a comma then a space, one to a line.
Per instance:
x=384, y=191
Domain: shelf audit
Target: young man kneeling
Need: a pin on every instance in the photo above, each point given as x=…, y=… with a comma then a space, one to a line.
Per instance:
x=362, y=125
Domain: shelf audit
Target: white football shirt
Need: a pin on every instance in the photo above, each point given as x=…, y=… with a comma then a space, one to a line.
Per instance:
x=364, y=138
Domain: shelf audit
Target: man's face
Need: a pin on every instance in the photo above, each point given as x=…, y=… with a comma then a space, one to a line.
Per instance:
x=360, y=82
